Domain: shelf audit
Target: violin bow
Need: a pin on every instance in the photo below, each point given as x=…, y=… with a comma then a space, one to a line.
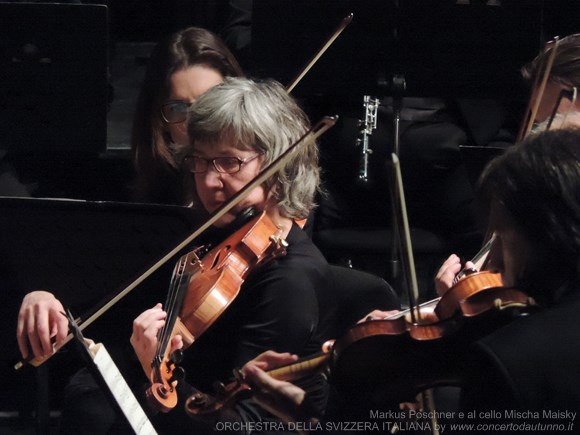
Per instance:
x=425, y=397
x=407, y=248
x=309, y=137
x=345, y=22
x=479, y=260
x=226, y=395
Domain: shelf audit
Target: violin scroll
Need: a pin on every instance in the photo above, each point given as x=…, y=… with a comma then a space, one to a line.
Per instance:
x=225, y=395
x=161, y=395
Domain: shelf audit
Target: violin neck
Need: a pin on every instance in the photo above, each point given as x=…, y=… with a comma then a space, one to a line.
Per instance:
x=301, y=368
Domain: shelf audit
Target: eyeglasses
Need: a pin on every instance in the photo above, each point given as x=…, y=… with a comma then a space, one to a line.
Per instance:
x=224, y=165
x=175, y=111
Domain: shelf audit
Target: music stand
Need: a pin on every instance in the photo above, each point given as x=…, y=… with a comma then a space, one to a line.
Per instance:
x=83, y=252
x=53, y=70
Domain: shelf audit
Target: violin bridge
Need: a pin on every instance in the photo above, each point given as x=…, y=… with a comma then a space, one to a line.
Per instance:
x=278, y=246
x=192, y=261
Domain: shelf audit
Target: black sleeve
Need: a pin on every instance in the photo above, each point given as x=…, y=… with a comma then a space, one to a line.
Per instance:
x=488, y=391
x=282, y=314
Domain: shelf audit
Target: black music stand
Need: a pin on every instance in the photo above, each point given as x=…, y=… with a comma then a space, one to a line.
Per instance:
x=83, y=252
x=53, y=70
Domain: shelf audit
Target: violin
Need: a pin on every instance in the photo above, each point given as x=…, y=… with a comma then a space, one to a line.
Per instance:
x=420, y=348
x=403, y=358
x=225, y=395
x=201, y=289
x=423, y=347
x=395, y=354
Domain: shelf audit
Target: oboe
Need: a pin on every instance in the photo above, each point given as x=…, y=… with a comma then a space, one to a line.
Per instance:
x=371, y=106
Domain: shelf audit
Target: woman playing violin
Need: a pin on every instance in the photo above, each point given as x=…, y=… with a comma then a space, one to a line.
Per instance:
x=533, y=196
x=524, y=373
x=236, y=129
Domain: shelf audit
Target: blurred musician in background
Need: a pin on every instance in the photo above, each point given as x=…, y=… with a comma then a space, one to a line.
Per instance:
x=180, y=69
x=564, y=76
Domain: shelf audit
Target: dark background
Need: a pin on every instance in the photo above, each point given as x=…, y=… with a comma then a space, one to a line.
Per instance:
x=102, y=170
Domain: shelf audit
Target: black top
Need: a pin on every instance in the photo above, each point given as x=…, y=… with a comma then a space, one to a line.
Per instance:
x=529, y=372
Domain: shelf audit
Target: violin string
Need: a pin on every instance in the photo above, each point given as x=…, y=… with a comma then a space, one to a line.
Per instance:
x=177, y=301
x=483, y=252
x=169, y=307
x=179, y=295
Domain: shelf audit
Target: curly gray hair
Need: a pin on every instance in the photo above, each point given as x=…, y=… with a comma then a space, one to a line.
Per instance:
x=260, y=116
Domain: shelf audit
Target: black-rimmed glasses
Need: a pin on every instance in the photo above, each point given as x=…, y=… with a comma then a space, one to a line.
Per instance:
x=175, y=111
x=224, y=165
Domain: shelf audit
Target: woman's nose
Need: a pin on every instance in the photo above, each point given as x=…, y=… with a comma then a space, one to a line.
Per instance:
x=212, y=177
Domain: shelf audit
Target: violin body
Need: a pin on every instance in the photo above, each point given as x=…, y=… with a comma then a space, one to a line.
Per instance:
x=397, y=359
x=215, y=281
x=437, y=320
x=201, y=290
